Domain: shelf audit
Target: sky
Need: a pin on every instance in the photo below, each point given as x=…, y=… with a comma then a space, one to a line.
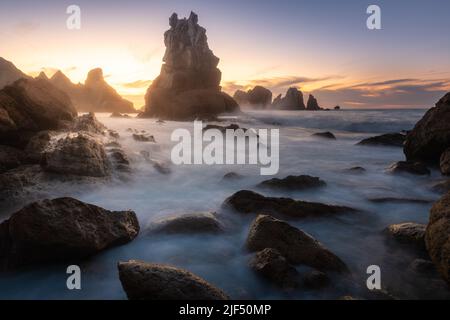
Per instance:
x=322, y=47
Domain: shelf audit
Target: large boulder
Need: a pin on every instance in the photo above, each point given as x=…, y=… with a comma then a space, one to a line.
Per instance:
x=246, y=201
x=61, y=230
x=445, y=162
x=411, y=167
x=431, y=135
x=388, y=139
x=203, y=222
x=293, y=100
x=31, y=105
x=188, y=86
x=437, y=236
x=408, y=233
x=77, y=154
x=89, y=123
x=297, y=246
x=151, y=281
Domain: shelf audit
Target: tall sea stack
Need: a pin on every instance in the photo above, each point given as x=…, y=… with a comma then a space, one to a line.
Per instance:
x=188, y=86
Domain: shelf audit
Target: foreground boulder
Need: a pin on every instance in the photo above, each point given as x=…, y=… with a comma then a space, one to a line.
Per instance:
x=78, y=154
x=205, y=222
x=445, y=162
x=411, y=167
x=301, y=182
x=150, y=281
x=188, y=86
x=60, y=230
x=31, y=105
x=271, y=265
x=389, y=139
x=431, y=135
x=408, y=233
x=89, y=123
x=246, y=201
x=437, y=236
x=297, y=246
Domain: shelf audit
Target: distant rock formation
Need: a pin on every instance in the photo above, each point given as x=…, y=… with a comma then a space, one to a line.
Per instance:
x=258, y=97
x=293, y=100
x=188, y=86
x=9, y=73
x=96, y=95
x=42, y=75
x=312, y=103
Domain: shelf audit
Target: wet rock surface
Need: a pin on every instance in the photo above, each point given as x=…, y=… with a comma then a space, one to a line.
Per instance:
x=389, y=139
x=246, y=201
x=297, y=246
x=325, y=135
x=301, y=182
x=60, y=230
x=415, y=168
x=150, y=281
x=191, y=223
x=408, y=233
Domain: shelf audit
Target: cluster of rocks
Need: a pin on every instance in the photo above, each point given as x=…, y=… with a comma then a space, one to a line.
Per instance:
x=188, y=86
x=258, y=97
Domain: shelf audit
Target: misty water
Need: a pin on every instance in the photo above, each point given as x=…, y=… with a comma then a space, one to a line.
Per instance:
x=222, y=259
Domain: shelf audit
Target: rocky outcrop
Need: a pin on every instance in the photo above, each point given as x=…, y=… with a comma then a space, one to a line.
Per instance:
x=10, y=158
x=95, y=95
x=297, y=246
x=408, y=233
x=271, y=265
x=246, y=202
x=29, y=106
x=258, y=97
x=437, y=237
x=411, y=167
x=431, y=135
x=188, y=86
x=89, y=123
x=9, y=73
x=151, y=281
x=294, y=183
x=445, y=162
x=78, y=154
x=312, y=103
x=61, y=230
x=389, y=139
x=191, y=223
x=293, y=100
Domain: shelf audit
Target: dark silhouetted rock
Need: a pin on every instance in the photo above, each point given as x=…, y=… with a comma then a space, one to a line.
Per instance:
x=246, y=201
x=389, y=139
x=312, y=103
x=356, y=170
x=188, y=86
x=29, y=106
x=337, y=108
x=293, y=100
x=204, y=222
x=9, y=73
x=408, y=233
x=271, y=265
x=77, y=154
x=416, y=168
x=143, y=137
x=294, y=183
x=37, y=145
x=118, y=115
x=10, y=158
x=399, y=200
x=232, y=176
x=150, y=281
x=89, y=123
x=326, y=135
x=60, y=230
x=297, y=246
x=431, y=135
x=445, y=162
x=437, y=237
